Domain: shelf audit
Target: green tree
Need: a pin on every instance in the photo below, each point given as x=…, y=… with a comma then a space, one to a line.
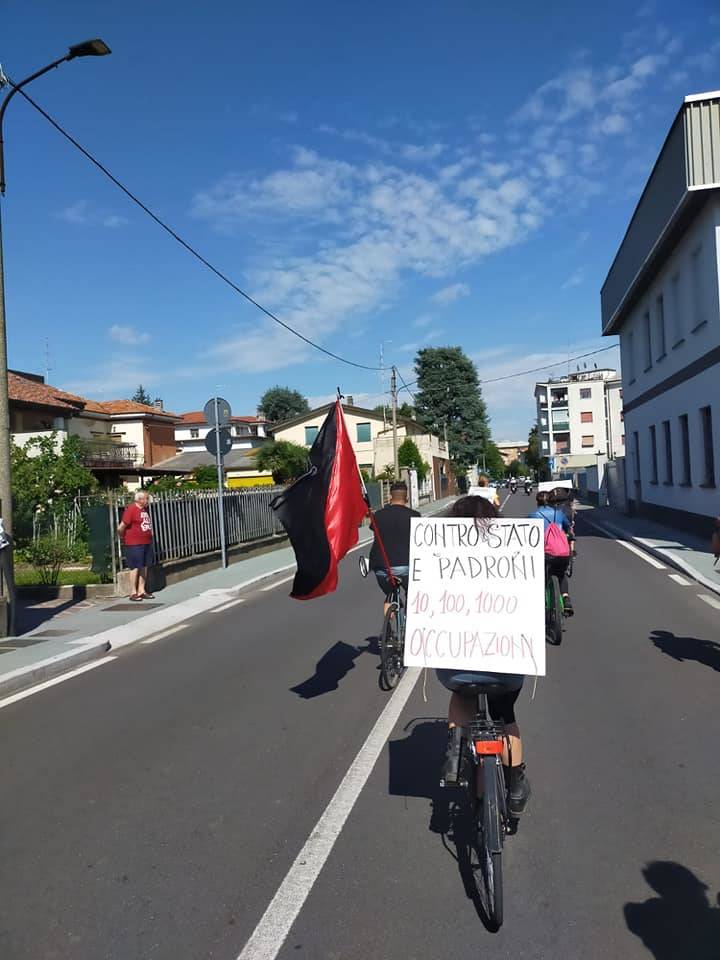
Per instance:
x=494, y=463
x=44, y=480
x=404, y=410
x=449, y=394
x=141, y=396
x=281, y=403
x=534, y=458
x=287, y=461
x=409, y=456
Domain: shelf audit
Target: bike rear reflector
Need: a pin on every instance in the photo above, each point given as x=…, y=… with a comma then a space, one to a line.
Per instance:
x=488, y=746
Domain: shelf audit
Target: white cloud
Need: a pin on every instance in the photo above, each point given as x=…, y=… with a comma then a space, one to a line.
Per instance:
x=575, y=279
x=126, y=334
x=419, y=153
x=613, y=123
x=82, y=213
x=424, y=320
x=451, y=293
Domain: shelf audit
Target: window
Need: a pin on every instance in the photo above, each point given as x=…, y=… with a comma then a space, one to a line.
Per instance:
x=588, y=441
x=653, y=456
x=648, y=341
x=707, y=432
x=668, y=453
x=622, y=416
x=194, y=433
x=622, y=440
x=676, y=314
x=696, y=288
x=310, y=434
x=586, y=416
x=660, y=326
x=585, y=393
x=685, y=437
x=630, y=351
x=364, y=434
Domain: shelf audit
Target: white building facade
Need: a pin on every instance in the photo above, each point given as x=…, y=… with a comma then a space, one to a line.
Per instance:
x=579, y=417
x=662, y=296
x=246, y=432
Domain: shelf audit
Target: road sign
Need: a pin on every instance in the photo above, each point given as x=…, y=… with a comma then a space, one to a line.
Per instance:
x=225, y=444
x=224, y=412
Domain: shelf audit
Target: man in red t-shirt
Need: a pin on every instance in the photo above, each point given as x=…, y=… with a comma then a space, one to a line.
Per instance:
x=135, y=528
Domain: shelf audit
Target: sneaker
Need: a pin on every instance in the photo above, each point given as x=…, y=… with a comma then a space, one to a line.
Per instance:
x=568, y=609
x=135, y=596
x=519, y=790
x=451, y=767
x=148, y=596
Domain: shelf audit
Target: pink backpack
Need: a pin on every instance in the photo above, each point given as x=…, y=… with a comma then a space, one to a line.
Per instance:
x=556, y=543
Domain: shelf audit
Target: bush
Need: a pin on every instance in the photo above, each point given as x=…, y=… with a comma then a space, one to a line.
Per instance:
x=287, y=461
x=48, y=555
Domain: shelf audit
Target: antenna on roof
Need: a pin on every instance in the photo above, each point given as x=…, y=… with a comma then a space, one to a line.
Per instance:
x=48, y=368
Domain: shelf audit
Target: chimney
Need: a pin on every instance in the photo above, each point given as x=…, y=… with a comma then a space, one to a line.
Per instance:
x=157, y=403
x=350, y=400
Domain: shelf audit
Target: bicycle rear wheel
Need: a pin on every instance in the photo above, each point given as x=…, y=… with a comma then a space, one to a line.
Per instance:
x=554, y=606
x=390, y=651
x=489, y=846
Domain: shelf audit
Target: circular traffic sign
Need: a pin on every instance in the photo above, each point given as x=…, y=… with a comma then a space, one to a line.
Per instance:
x=221, y=438
x=223, y=411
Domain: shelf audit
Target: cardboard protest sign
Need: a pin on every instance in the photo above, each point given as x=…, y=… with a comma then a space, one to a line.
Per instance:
x=548, y=485
x=487, y=493
x=476, y=595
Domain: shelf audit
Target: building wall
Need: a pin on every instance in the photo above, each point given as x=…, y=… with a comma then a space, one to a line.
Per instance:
x=579, y=426
x=616, y=438
x=364, y=451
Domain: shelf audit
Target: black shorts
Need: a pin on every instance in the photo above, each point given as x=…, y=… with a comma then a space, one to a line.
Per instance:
x=139, y=555
x=500, y=705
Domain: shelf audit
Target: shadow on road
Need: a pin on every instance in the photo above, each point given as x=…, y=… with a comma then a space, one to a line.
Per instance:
x=415, y=767
x=332, y=667
x=706, y=652
x=680, y=923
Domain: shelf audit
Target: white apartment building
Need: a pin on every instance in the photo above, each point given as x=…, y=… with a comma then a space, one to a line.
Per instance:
x=580, y=416
x=662, y=297
x=247, y=432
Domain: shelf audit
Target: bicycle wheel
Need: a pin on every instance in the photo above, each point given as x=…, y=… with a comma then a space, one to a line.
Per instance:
x=390, y=658
x=554, y=608
x=490, y=841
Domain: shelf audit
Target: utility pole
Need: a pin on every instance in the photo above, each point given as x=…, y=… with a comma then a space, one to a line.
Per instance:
x=221, y=484
x=393, y=390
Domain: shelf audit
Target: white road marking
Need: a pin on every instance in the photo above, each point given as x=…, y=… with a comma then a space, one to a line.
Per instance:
x=55, y=680
x=166, y=633
x=274, y=926
x=641, y=553
x=678, y=579
x=278, y=583
x=502, y=505
x=226, y=606
x=713, y=601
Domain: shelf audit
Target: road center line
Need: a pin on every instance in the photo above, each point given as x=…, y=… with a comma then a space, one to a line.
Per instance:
x=55, y=680
x=640, y=553
x=678, y=579
x=274, y=926
x=226, y=606
x=166, y=633
x=713, y=601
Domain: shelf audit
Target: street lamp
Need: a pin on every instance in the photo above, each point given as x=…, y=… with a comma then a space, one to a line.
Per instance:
x=88, y=48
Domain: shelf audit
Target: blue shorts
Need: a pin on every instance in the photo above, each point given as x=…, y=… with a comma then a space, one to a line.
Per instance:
x=139, y=556
x=402, y=573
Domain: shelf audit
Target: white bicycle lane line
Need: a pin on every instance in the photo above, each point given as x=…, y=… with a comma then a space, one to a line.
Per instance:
x=271, y=932
x=13, y=698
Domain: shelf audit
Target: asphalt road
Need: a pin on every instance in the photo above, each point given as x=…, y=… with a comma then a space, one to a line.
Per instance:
x=152, y=807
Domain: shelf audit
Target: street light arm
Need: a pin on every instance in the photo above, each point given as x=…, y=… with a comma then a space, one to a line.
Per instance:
x=3, y=107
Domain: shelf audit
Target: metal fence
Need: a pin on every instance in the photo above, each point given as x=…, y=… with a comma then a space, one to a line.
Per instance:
x=187, y=524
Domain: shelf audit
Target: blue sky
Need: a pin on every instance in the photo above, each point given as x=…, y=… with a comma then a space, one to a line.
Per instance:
x=422, y=173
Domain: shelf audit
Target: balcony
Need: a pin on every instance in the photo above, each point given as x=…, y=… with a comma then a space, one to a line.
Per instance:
x=560, y=401
x=106, y=455
x=562, y=426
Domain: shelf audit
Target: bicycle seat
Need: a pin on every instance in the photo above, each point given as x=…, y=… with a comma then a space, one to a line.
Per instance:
x=471, y=683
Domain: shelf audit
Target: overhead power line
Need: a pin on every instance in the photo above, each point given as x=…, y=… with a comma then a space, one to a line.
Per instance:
x=184, y=243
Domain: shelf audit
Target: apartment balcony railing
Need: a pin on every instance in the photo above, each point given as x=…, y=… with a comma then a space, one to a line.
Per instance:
x=562, y=426
x=102, y=454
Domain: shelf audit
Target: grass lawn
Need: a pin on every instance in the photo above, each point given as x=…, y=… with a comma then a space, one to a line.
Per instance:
x=29, y=577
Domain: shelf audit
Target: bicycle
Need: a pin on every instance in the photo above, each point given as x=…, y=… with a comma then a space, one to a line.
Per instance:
x=481, y=753
x=554, y=606
x=392, y=636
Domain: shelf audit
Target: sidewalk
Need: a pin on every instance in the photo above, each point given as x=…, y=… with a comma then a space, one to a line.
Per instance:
x=86, y=630
x=686, y=552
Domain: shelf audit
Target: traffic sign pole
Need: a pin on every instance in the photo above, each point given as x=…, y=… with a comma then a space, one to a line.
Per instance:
x=221, y=488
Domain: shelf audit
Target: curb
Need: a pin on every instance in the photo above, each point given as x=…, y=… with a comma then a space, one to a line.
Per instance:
x=656, y=552
x=34, y=673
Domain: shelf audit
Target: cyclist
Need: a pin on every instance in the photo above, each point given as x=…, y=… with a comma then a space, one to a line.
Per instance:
x=393, y=525
x=549, y=512
x=528, y=486
x=483, y=481
x=513, y=485
x=461, y=712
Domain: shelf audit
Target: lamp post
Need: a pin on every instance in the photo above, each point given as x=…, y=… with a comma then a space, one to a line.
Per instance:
x=88, y=48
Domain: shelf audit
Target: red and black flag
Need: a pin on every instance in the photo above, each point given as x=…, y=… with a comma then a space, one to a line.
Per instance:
x=322, y=511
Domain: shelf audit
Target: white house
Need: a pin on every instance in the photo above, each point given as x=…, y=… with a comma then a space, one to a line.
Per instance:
x=247, y=432
x=662, y=297
x=580, y=416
